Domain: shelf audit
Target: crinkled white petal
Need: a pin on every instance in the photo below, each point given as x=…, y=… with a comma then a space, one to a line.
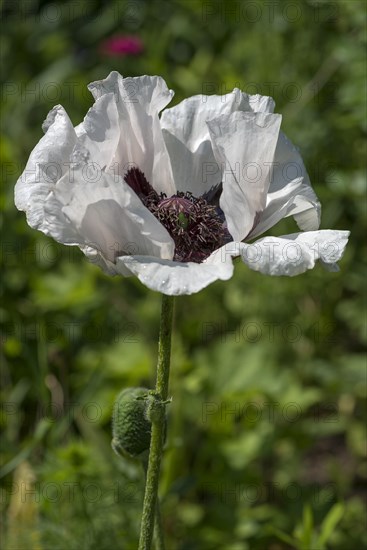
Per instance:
x=195, y=172
x=95, y=257
x=244, y=145
x=188, y=142
x=294, y=254
x=139, y=100
x=277, y=206
x=186, y=134
x=178, y=278
x=107, y=215
x=187, y=120
x=47, y=163
x=99, y=133
x=288, y=165
x=261, y=103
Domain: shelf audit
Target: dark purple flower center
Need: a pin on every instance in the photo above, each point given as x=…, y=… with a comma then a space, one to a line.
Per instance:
x=196, y=226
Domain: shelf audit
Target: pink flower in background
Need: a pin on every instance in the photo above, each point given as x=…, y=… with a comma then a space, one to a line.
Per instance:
x=122, y=45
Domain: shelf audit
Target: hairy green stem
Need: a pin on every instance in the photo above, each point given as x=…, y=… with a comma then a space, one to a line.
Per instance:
x=158, y=528
x=158, y=427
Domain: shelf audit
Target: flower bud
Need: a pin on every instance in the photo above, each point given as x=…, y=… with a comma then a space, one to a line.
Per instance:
x=130, y=426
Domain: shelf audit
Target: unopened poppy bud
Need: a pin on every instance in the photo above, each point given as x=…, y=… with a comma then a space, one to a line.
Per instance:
x=130, y=426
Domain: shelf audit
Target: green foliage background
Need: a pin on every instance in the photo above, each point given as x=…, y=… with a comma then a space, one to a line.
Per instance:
x=267, y=441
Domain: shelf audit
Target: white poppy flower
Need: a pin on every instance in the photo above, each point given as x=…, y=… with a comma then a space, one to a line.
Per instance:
x=173, y=199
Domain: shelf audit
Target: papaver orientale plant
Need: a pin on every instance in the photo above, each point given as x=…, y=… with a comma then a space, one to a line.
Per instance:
x=172, y=199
